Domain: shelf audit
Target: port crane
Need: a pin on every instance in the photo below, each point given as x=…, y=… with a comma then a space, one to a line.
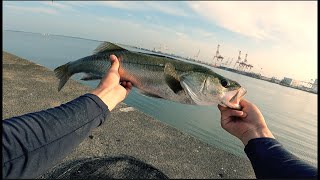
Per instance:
x=197, y=55
x=244, y=64
x=238, y=60
x=226, y=63
x=245, y=59
x=230, y=62
x=218, y=57
x=250, y=66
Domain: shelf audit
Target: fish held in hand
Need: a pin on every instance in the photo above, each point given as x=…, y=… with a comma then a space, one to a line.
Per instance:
x=157, y=75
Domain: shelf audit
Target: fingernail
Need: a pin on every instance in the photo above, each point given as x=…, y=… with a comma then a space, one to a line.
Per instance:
x=244, y=114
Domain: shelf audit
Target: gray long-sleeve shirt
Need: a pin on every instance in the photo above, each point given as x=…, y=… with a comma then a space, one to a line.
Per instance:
x=34, y=142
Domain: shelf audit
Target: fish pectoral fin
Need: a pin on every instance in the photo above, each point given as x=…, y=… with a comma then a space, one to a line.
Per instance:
x=89, y=76
x=106, y=46
x=172, y=79
x=174, y=84
x=150, y=95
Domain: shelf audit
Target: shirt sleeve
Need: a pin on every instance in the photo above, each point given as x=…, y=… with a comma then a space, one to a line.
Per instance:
x=269, y=159
x=34, y=142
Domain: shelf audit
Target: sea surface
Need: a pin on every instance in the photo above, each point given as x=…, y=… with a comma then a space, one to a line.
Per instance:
x=291, y=114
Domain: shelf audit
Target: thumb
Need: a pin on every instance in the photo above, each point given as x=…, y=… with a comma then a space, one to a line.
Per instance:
x=244, y=103
x=114, y=62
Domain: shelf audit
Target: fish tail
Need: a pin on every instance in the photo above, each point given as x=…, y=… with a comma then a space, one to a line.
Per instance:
x=63, y=74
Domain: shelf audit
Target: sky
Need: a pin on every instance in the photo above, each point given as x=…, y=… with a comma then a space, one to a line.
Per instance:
x=280, y=37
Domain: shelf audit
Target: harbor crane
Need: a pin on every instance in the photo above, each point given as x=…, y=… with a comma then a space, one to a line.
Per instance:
x=218, y=57
x=230, y=62
x=197, y=55
x=244, y=64
x=245, y=59
x=238, y=60
x=226, y=63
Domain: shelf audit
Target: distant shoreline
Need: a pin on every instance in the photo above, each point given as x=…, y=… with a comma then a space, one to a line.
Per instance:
x=74, y=37
x=248, y=74
x=256, y=76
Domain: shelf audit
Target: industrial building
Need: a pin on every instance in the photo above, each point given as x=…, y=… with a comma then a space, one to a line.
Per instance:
x=315, y=86
x=286, y=81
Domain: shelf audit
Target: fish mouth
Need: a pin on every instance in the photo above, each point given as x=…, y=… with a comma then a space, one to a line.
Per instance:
x=232, y=98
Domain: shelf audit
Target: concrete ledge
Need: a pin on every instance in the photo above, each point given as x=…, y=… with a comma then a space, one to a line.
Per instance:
x=28, y=87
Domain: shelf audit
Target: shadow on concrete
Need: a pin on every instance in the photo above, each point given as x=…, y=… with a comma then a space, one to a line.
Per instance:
x=119, y=167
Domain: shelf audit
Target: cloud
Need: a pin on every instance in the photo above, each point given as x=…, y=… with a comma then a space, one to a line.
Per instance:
x=277, y=34
x=81, y=4
x=115, y=20
x=32, y=9
x=144, y=6
x=58, y=5
x=161, y=7
x=128, y=5
x=261, y=20
x=203, y=33
x=147, y=17
x=180, y=34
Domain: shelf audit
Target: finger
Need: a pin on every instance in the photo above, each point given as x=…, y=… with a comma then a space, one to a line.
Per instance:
x=244, y=102
x=114, y=62
x=222, y=108
x=128, y=91
x=112, y=58
x=236, y=113
x=129, y=85
x=126, y=83
x=232, y=113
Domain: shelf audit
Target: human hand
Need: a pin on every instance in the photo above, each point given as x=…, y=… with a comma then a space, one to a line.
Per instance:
x=110, y=90
x=245, y=124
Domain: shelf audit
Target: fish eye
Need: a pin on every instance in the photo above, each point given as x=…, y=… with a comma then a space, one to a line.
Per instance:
x=224, y=82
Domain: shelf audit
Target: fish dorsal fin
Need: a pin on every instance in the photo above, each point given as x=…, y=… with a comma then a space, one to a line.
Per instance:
x=106, y=46
x=172, y=78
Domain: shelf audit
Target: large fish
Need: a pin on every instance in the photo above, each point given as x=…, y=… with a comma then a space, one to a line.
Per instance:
x=158, y=75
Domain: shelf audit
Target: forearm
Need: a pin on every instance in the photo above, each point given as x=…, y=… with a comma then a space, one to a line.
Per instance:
x=34, y=142
x=270, y=160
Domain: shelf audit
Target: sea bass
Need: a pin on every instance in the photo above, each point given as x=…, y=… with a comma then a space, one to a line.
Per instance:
x=157, y=75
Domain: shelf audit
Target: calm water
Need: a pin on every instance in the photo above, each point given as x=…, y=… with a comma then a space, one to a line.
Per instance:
x=290, y=114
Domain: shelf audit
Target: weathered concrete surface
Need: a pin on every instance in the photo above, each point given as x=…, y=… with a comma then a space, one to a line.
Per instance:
x=28, y=87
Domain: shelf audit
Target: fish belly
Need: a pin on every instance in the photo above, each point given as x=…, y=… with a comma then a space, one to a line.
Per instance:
x=151, y=81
